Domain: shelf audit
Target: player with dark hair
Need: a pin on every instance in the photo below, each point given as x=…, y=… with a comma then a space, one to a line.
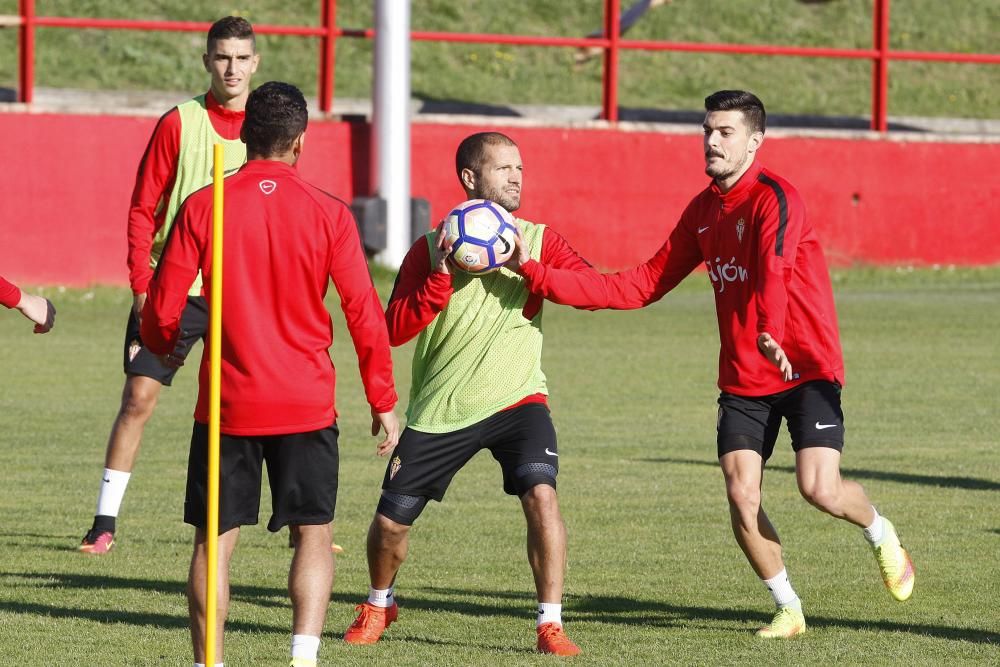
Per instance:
x=780, y=355
x=284, y=241
x=477, y=384
x=38, y=309
x=177, y=161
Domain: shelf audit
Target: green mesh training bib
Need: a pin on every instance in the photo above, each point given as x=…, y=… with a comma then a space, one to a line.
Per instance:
x=194, y=168
x=479, y=355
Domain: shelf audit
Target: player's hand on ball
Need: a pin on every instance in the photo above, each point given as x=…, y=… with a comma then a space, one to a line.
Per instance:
x=521, y=254
x=770, y=348
x=442, y=249
x=390, y=423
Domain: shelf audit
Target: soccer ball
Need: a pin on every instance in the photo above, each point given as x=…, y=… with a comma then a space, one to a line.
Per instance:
x=482, y=235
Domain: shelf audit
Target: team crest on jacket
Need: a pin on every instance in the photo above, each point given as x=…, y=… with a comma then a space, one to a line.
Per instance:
x=267, y=187
x=394, y=467
x=740, y=226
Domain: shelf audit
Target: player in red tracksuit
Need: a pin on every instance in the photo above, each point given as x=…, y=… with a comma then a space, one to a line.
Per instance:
x=177, y=161
x=780, y=353
x=284, y=241
x=36, y=308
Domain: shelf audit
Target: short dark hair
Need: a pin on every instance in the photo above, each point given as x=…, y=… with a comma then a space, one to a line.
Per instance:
x=739, y=100
x=231, y=27
x=276, y=115
x=471, y=152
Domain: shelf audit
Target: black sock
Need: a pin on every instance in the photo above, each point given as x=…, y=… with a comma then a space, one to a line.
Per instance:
x=103, y=522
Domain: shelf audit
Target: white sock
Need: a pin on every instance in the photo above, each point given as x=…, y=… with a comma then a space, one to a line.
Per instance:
x=201, y=664
x=305, y=646
x=782, y=591
x=549, y=612
x=876, y=531
x=113, y=485
x=381, y=597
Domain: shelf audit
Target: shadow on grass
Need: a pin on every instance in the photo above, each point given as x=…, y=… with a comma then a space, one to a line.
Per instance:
x=261, y=596
x=637, y=612
x=628, y=611
x=125, y=617
x=479, y=644
x=970, y=483
x=595, y=609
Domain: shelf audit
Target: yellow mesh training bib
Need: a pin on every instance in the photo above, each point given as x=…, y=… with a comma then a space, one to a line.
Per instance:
x=194, y=168
x=479, y=355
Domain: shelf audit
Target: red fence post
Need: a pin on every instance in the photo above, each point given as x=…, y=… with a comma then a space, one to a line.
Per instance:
x=880, y=67
x=609, y=93
x=26, y=54
x=327, y=54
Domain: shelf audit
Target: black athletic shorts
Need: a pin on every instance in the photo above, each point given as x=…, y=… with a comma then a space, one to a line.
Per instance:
x=140, y=361
x=301, y=471
x=811, y=409
x=423, y=464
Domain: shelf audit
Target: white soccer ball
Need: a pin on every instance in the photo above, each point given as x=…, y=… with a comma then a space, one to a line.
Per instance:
x=482, y=235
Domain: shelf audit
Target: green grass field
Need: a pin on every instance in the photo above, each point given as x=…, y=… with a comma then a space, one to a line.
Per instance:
x=655, y=576
x=503, y=75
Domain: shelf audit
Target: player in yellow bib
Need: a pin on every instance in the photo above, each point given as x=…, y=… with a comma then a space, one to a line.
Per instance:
x=177, y=161
x=477, y=384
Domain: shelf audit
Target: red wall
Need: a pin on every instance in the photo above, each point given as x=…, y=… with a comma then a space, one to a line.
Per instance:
x=615, y=195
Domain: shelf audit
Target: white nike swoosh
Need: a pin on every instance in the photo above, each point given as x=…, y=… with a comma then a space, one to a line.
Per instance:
x=702, y=229
x=550, y=453
x=820, y=427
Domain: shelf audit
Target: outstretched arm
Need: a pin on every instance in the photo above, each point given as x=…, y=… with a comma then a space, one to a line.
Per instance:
x=36, y=308
x=625, y=290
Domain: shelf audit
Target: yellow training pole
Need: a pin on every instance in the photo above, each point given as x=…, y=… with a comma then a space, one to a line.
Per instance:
x=214, y=393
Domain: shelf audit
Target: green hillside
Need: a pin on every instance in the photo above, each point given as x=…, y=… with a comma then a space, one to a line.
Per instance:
x=502, y=75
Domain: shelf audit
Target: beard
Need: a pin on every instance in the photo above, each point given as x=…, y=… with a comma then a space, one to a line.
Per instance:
x=723, y=170
x=510, y=202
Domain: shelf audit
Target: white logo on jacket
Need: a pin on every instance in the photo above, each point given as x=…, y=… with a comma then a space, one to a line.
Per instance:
x=267, y=187
x=729, y=272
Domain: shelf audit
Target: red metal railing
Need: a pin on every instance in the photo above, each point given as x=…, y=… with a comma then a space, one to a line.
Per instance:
x=328, y=33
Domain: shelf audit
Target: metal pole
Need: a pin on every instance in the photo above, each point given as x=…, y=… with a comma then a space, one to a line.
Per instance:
x=609, y=97
x=880, y=67
x=26, y=54
x=327, y=55
x=391, y=119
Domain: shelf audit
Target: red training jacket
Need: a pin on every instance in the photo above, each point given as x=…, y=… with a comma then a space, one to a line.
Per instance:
x=767, y=270
x=154, y=182
x=421, y=292
x=284, y=240
x=10, y=294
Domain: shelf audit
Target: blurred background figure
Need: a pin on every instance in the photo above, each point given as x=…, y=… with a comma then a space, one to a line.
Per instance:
x=628, y=19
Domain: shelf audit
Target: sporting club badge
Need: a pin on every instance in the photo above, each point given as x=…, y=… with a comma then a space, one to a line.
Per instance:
x=394, y=466
x=740, y=226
